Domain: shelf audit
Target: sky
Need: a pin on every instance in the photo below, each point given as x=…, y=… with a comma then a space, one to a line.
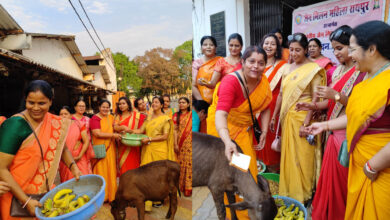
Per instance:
x=127, y=26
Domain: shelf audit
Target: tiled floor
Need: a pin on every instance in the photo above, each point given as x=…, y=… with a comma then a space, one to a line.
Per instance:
x=203, y=205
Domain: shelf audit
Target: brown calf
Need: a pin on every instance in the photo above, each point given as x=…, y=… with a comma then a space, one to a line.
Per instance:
x=154, y=181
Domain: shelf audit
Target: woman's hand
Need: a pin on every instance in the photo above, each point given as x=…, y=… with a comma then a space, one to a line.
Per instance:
x=260, y=145
x=325, y=92
x=176, y=148
x=316, y=128
x=4, y=187
x=145, y=141
x=31, y=206
x=75, y=171
x=303, y=131
x=372, y=175
x=304, y=106
x=117, y=136
x=272, y=125
x=77, y=158
x=202, y=82
x=230, y=148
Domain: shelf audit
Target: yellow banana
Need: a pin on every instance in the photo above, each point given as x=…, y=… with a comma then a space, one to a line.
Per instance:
x=80, y=201
x=53, y=214
x=86, y=198
x=73, y=206
x=60, y=196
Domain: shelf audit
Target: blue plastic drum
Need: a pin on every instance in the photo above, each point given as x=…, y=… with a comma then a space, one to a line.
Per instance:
x=288, y=201
x=91, y=185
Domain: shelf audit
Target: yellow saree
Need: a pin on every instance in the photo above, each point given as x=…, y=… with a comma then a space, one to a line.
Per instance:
x=239, y=119
x=367, y=199
x=300, y=162
x=158, y=150
x=106, y=167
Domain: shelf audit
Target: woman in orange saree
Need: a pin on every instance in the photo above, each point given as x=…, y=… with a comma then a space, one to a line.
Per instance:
x=233, y=120
x=103, y=133
x=77, y=142
x=21, y=164
x=129, y=157
x=274, y=71
x=203, y=68
x=367, y=121
x=183, y=141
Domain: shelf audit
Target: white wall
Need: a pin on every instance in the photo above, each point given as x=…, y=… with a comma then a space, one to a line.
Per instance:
x=55, y=54
x=99, y=80
x=236, y=20
x=110, y=68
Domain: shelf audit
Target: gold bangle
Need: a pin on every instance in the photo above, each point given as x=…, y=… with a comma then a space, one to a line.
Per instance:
x=305, y=125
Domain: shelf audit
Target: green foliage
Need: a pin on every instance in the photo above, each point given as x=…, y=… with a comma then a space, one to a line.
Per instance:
x=127, y=70
x=183, y=56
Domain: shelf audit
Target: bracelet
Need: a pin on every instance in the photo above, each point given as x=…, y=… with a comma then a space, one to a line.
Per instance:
x=305, y=125
x=369, y=167
x=71, y=164
x=25, y=204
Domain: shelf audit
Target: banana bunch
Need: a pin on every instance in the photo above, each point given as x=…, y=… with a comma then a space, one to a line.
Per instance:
x=288, y=213
x=63, y=202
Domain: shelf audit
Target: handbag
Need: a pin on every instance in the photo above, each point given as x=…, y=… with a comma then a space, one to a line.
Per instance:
x=343, y=156
x=17, y=209
x=256, y=127
x=276, y=144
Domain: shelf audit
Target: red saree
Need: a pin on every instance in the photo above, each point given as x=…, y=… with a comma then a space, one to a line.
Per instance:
x=129, y=157
x=185, y=151
x=267, y=155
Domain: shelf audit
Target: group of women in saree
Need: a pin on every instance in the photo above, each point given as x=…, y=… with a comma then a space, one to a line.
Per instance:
x=295, y=95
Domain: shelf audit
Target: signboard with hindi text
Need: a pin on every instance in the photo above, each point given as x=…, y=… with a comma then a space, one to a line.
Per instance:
x=319, y=20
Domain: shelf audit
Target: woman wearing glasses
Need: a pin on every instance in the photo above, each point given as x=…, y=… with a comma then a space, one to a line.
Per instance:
x=367, y=121
x=300, y=160
x=331, y=194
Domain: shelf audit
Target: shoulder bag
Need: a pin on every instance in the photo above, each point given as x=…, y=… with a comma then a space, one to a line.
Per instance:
x=16, y=207
x=256, y=126
x=276, y=144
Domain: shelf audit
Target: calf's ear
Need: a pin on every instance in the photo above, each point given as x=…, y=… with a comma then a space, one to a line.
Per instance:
x=263, y=184
x=239, y=205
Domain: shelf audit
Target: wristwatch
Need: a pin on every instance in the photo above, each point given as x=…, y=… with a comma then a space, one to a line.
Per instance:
x=337, y=97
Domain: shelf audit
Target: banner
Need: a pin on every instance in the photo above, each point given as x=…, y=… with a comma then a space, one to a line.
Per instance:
x=319, y=20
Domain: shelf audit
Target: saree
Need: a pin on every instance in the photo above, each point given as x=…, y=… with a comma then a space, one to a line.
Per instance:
x=158, y=150
x=239, y=120
x=331, y=194
x=185, y=151
x=300, y=162
x=106, y=167
x=27, y=165
x=206, y=71
x=368, y=102
x=86, y=120
x=129, y=157
x=267, y=155
x=2, y=119
x=75, y=144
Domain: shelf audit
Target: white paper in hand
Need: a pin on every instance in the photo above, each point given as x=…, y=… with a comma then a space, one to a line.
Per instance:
x=241, y=161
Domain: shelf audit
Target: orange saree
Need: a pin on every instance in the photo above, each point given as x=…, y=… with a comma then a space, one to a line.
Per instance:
x=206, y=71
x=185, y=151
x=106, y=167
x=130, y=157
x=239, y=119
x=27, y=165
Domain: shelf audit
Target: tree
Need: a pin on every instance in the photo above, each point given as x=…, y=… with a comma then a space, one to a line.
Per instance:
x=160, y=73
x=183, y=55
x=127, y=78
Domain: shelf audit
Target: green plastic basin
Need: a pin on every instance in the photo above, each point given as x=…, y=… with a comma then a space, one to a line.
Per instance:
x=132, y=140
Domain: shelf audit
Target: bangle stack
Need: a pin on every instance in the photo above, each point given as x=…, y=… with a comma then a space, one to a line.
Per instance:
x=369, y=169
